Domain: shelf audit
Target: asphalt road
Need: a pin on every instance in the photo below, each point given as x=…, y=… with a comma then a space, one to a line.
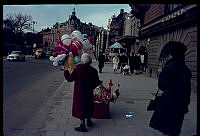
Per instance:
x=27, y=86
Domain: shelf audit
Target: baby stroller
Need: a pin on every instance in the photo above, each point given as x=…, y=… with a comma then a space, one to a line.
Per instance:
x=125, y=70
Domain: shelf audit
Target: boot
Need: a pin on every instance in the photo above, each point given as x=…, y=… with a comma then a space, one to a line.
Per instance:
x=81, y=128
x=89, y=123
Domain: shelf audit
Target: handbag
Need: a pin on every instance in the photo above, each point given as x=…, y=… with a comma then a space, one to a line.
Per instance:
x=154, y=102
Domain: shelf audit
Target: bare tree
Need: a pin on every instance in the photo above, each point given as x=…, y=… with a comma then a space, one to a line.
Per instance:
x=18, y=22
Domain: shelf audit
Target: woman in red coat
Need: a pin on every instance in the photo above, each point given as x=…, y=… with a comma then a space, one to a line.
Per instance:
x=86, y=80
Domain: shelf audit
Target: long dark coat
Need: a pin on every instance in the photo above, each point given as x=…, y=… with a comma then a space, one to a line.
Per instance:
x=101, y=60
x=174, y=81
x=86, y=80
x=131, y=63
x=137, y=62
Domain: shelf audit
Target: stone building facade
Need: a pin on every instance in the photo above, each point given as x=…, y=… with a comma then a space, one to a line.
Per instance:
x=50, y=36
x=162, y=23
x=116, y=27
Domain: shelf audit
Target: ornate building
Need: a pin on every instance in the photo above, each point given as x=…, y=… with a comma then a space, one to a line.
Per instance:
x=50, y=36
x=116, y=27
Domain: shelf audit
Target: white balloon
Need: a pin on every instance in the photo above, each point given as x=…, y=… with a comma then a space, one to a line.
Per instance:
x=59, y=57
x=51, y=58
x=55, y=63
x=76, y=35
x=66, y=39
x=86, y=44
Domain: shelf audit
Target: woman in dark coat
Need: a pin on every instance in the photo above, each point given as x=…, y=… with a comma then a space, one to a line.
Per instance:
x=174, y=81
x=101, y=60
x=137, y=63
x=86, y=80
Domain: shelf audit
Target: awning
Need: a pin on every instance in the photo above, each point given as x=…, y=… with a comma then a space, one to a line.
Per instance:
x=116, y=45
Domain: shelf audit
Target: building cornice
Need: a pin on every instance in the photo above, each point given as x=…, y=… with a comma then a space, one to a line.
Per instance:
x=169, y=17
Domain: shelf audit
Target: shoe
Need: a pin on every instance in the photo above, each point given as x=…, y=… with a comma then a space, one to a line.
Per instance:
x=89, y=123
x=81, y=129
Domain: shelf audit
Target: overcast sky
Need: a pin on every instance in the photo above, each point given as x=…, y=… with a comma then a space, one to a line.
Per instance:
x=47, y=15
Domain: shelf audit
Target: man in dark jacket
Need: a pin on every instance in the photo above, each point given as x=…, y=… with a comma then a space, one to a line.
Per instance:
x=131, y=62
x=124, y=61
x=174, y=81
x=101, y=60
x=86, y=80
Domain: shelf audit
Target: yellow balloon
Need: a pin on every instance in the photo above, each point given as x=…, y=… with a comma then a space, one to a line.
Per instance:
x=69, y=64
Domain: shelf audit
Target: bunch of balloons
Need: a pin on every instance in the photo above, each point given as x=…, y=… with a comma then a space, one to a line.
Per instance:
x=68, y=50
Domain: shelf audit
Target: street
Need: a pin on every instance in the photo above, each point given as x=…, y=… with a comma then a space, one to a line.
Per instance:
x=26, y=88
x=45, y=108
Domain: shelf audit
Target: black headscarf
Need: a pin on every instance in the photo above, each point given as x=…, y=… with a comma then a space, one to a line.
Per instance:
x=175, y=49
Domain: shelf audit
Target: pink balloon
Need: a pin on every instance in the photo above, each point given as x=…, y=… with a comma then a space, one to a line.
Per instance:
x=61, y=52
x=54, y=54
x=60, y=46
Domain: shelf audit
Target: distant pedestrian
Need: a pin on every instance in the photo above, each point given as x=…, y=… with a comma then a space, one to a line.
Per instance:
x=120, y=60
x=175, y=82
x=137, y=63
x=124, y=61
x=101, y=60
x=131, y=62
x=86, y=80
x=142, y=63
x=115, y=63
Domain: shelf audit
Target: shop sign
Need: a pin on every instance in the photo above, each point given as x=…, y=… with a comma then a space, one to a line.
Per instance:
x=173, y=15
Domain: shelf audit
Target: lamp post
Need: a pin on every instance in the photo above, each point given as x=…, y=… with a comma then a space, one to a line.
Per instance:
x=26, y=48
x=34, y=22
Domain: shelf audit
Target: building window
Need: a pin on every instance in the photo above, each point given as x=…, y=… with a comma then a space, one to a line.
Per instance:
x=172, y=7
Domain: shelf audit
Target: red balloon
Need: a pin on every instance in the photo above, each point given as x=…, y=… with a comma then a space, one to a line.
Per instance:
x=91, y=39
x=76, y=47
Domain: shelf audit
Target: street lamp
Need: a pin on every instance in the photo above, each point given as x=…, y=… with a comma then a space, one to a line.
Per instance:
x=34, y=22
x=26, y=48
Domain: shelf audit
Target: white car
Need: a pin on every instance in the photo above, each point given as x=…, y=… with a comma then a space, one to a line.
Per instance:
x=16, y=56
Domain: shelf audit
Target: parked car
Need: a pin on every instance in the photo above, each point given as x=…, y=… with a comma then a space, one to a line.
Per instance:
x=48, y=54
x=16, y=56
x=39, y=53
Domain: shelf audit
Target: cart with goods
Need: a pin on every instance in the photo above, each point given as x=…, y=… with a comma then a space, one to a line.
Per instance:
x=102, y=98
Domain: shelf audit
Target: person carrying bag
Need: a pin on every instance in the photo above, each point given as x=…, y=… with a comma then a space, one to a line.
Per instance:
x=154, y=102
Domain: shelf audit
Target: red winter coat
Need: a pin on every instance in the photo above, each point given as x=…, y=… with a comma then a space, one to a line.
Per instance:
x=86, y=80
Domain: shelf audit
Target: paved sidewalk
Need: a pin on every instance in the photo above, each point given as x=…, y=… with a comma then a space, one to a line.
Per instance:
x=136, y=91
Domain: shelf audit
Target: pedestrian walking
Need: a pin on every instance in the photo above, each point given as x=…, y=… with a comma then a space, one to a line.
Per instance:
x=120, y=61
x=115, y=63
x=124, y=61
x=137, y=63
x=142, y=63
x=174, y=81
x=86, y=80
x=101, y=60
x=131, y=62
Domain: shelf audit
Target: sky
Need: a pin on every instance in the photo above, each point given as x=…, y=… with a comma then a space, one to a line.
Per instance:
x=46, y=15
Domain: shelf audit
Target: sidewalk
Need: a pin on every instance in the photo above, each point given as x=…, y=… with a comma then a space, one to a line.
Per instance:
x=136, y=91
